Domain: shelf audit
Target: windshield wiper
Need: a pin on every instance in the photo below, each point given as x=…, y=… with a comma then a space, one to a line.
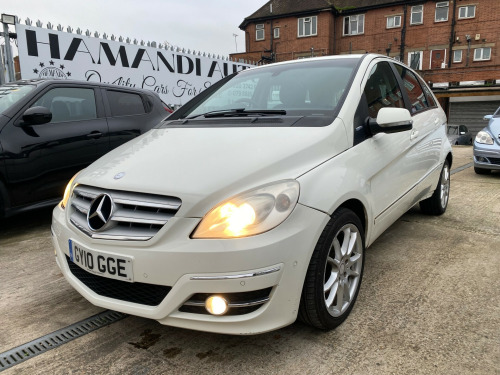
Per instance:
x=237, y=112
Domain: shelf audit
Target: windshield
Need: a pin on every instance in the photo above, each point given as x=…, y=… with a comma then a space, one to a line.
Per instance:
x=453, y=130
x=10, y=94
x=497, y=113
x=312, y=88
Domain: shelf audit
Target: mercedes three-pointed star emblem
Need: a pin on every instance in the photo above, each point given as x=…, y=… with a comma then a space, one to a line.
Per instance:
x=100, y=211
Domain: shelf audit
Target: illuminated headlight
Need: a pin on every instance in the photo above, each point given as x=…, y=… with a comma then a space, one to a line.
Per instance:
x=216, y=305
x=67, y=192
x=484, y=138
x=253, y=212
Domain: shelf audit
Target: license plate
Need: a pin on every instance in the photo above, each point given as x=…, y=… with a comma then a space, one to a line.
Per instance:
x=112, y=266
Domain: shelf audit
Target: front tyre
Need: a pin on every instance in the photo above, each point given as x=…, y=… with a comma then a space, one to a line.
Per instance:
x=437, y=203
x=334, y=275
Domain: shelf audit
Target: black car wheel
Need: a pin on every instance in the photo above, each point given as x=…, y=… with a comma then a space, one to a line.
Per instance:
x=482, y=170
x=437, y=203
x=334, y=275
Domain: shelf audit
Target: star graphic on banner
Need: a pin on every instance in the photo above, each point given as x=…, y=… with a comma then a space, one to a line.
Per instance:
x=68, y=74
x=41, y=65
x=61, y=66
x=35, y=71
x=51, y=62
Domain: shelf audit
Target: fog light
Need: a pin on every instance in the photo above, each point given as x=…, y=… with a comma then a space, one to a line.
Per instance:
x=216, y=305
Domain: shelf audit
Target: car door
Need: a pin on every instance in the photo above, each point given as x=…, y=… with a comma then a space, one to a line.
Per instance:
x=387, y=158
x=426, y=143
x=46, y=156
x=127, y=115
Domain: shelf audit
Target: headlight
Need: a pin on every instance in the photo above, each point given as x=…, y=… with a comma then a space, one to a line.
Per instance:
x=67, y=192
x=484, y=137
x=253, y=212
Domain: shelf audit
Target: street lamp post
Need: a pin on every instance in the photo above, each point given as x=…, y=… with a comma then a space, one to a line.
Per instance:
x=7, y=20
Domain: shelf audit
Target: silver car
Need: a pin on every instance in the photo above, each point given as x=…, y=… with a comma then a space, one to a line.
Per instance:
x=487, y=146
x=459, y=135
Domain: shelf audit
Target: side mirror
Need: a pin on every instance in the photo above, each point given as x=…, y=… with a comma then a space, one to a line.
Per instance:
x=37, y=116
x=488, y=117
x=391, y=120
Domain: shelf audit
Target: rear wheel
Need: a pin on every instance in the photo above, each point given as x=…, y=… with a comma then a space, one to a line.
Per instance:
x=482, y=170
x=437, y=203
x=334, y=275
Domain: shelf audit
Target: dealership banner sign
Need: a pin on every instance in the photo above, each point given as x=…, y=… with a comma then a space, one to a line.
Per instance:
x=175, y=76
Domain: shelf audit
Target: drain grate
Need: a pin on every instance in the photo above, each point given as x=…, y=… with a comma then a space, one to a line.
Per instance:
x=460, y=169
x=45, y=343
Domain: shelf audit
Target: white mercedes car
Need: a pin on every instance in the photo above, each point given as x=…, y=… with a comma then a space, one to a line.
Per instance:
x=253, y=204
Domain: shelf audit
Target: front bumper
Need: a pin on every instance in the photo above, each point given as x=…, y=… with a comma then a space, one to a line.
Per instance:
x=487, y=156
x=275, y=262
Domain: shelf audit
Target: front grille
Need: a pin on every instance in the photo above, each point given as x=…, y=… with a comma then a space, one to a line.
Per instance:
x=239, y=303
x=141, y=293
x=135, y=216
x=495, y=161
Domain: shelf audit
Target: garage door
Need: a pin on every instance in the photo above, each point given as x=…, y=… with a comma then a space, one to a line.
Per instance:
x=471, y=114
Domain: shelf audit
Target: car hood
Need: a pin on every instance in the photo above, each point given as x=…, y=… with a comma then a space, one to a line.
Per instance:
x=203, y=166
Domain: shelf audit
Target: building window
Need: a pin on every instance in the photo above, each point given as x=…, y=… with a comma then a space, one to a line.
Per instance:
x=481, y=54
x=457, y=56
x=276, y=32
x=308, y=26
x=415, y=60
x=417, y=15
x=393, y=21
x=259, y=31
x=354, y=25
x=442, y=11
x=468, y=11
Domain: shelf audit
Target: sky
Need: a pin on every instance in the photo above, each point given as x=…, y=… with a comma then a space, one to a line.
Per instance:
x=200, y=25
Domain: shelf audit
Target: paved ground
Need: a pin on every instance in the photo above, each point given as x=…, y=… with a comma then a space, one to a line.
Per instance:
x=429, y=304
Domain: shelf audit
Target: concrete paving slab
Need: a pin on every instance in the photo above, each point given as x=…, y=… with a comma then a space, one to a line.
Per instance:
x=35, y=299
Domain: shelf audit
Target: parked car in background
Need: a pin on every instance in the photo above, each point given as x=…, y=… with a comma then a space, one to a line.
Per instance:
x=253, y=203
x=459, y=135
x=50, y=129
x=487, y=146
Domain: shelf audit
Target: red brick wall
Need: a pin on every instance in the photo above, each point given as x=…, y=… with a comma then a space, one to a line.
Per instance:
x=430, y=35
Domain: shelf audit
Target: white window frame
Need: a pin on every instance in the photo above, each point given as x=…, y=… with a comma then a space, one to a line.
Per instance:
x=455, y=60
x=421, y=53
x=313, y=20
x=421, y=12
x=467, y=7
x=442, y=4
x=481, y=57
x=276, y=33
x=260, y=28
x=359, y=19
x=395, y=24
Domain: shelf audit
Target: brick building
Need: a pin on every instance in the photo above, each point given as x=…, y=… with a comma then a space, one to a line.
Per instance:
x=453, y=44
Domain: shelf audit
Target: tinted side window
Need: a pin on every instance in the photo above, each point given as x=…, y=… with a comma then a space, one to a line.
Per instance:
x=412, y=86
x=125, y=103
x=69, y=104
x=382, y=89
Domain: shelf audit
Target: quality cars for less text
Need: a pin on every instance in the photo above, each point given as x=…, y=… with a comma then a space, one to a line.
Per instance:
x=253, y=204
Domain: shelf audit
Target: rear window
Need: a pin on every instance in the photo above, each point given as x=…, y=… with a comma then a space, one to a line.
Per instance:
x=125, y=103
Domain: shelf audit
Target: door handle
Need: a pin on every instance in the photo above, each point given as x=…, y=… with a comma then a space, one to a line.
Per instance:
x=436, y=121
x=94, y=135
x=414, y=134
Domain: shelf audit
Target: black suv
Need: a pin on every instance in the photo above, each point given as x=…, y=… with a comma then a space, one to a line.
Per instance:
x=50, y=129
